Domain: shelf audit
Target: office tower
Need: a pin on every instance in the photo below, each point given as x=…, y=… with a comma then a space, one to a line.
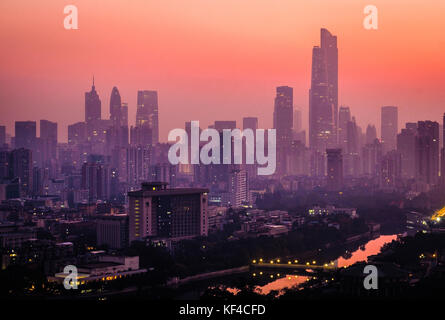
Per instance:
x=371, y=134
x=406, y=146
x=112, y=231
x=372, y=155
x=124, y=114
x=77, y=133
x=48, y=140
x=238, y=188
x=351, y=157
x=250, y=123
x=163, y=172
x=299, y=160
x=335, y=169
x=158, y=212
x=25, y=134
x=323, y=94
x=147, y=112
x=92, y=105
x=298, y=120
x=389, y=128
x=138, y=165
x=427, y=153
x=141, y=136
x=220, y=125
x=344, y=116
x=2, y=136
x=283, y=123
x=390, y=170
x=21, y=167
x=115, y=108
x=96, y=179
x=5, y=163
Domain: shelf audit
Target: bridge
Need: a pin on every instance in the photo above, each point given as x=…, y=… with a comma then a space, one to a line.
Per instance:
x=295, y=265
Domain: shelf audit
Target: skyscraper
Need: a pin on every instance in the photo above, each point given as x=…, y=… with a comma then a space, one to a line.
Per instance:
x=390, y=170
x=250, y=123
x=2, y=136
x=25, y=134
x=238, y=188
x=77, y=133
x=323, y=94
x=298, y=120
x=21, y=167
x=344, y=116
x=335, y=169
x=406, y=146
x=92, y=105
x=283, y=123
x=427, y=152
x=389, y=128
x=147, y=112
x=371, y=134
x=48, y=139
x=115, y=108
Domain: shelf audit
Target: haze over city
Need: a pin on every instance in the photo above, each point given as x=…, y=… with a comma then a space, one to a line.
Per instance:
x=225, y=56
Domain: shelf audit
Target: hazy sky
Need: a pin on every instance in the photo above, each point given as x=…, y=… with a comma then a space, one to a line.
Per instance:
x=217, y=59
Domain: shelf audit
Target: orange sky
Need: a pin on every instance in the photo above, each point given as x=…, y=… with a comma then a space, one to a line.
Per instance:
x=217, y=59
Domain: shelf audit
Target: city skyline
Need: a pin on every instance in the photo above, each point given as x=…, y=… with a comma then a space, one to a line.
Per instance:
x=240, y=77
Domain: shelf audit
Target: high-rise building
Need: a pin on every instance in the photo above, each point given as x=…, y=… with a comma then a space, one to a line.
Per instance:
x=77, y=133
x=2, y=136
x=25, y=134
x=323, y=94
x=147, y=112
x=427, y=152
x=389, y=130
x=21, y=167
x=96, y=179
x=250, y=123
x=92, y=105
x=372, y=155
x=335, y=169
x=124, y=114
x=298, y=120
x=238, y=188
x=112, y=231
x=158, y=212
x=390, y=170
x=344, y=116
x=138, y=165
x=406, y=146
x=115, y=108
x=220, y=125
x=5, y=163
x=371, y=134
x=283, y=124
x=48, y=140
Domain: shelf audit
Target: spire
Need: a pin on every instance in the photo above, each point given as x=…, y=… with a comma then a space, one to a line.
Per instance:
x=93, y=82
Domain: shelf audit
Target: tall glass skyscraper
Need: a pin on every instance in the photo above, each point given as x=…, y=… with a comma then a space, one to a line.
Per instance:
x=92, y=105
x=147, y=112
x=323, y=94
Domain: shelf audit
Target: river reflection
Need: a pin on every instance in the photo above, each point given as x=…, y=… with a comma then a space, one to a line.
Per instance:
x=372, y=247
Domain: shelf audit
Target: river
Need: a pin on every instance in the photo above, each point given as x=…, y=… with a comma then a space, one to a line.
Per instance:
x=371, y=248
